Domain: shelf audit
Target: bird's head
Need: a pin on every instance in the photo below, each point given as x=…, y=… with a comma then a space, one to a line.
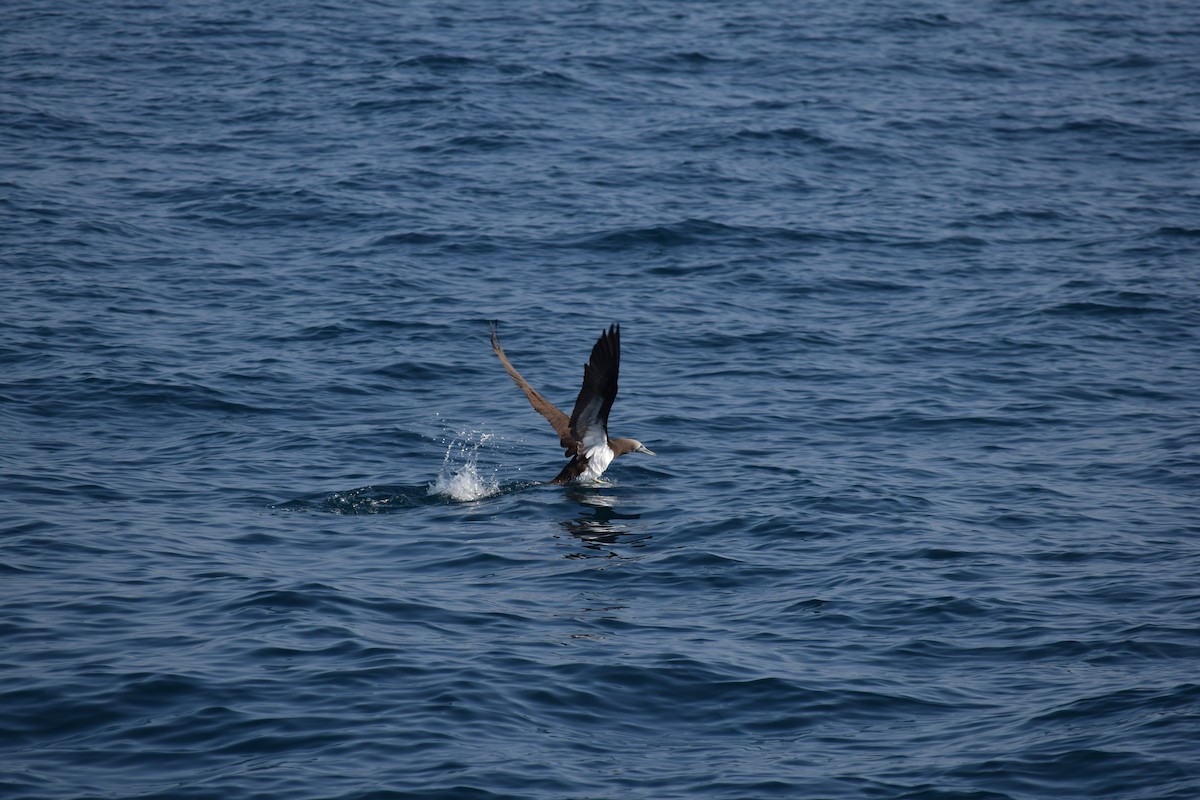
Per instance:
x=622, y=446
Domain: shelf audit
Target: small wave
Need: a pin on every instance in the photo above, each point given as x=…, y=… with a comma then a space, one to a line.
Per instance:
x=691, y=232
x=363, y=500
x=460, y=480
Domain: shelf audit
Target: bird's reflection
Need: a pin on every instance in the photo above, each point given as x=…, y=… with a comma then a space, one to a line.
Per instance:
x=600, y=526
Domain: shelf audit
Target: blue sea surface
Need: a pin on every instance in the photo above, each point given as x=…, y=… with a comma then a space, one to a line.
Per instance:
x=909, y=295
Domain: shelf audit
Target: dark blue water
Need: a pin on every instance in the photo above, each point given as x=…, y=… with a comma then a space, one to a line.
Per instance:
x=910, y=306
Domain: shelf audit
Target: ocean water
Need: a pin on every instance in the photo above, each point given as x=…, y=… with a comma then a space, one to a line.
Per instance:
x=910, y=308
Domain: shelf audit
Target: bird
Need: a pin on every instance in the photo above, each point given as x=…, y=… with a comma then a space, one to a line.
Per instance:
x=584, y=435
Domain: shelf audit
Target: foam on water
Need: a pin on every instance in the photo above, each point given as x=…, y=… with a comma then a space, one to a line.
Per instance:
x=460, y=478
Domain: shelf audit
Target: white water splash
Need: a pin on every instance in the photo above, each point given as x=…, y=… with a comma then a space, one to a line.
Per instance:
x=460, y=478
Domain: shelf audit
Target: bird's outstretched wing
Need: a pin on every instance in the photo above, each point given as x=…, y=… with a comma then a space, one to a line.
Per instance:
x=589, y=420
x=559, y=420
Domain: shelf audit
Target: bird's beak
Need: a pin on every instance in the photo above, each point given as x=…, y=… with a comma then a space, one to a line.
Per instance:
x=646, y=450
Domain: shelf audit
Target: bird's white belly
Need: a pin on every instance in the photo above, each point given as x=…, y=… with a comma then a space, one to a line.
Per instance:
x=599, y=457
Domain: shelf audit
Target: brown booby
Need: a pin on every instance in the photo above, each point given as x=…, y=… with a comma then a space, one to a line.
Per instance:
x=585, y=434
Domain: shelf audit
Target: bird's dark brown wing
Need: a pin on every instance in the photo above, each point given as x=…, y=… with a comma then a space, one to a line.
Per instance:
x=559, y=420
x=589, y=419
